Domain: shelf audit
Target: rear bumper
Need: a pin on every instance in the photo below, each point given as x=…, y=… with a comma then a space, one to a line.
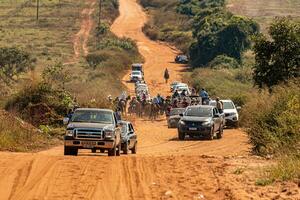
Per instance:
x=81, y=144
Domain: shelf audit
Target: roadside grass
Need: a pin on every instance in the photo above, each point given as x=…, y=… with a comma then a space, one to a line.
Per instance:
x=16, y=135
x=265, y=11
x=235, y=84
x=287, y=168
x=49, y=40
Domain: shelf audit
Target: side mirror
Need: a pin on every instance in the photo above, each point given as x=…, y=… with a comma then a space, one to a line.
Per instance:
x=238, y=108
x=131, y=132
x=181, y=115
x=66, y=120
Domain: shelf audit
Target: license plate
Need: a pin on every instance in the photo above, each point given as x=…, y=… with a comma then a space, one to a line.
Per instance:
x=193, y=129
x=88, y=144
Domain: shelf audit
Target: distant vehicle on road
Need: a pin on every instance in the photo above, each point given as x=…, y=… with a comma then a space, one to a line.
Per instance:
x=137, y=67
x=174, y=117
x=230, y=112
x=174, y=84
x=129, y=137
x=182, y=59
x=201, y=120
x=136, y=76
x=92, y=128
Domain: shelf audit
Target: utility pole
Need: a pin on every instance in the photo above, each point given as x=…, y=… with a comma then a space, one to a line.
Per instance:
x=99, y=23
x=37, y=9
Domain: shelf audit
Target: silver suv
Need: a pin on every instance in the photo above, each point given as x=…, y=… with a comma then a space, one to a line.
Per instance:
x=91, y=128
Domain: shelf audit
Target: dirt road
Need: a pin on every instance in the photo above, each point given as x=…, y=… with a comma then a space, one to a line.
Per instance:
x=80, y=40
x=164, y=167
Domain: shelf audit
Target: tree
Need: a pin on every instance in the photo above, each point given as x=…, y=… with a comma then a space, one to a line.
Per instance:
x=277, y=60
x=56, y=75
x=13, y=61
x=219, y=32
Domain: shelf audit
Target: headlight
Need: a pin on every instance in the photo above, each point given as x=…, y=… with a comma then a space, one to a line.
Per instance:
x=109, y=134
x=181, y=122
x=69, y=133
x=206, y=123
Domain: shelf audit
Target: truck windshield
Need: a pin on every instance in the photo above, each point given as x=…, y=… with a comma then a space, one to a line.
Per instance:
x=228, y=105
x=198, y=112
x=91, y=116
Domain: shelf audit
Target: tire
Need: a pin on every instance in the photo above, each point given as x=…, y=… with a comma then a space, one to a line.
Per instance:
x=211, y=135
x=118, y=153
x=112, y=152
x=236, y=125
x=220, y=132
x=181, y=136
x=74, y=151
x=102, y=150
x=126, y=148
x=134, y=149
x=94, y=150
x=67, y=151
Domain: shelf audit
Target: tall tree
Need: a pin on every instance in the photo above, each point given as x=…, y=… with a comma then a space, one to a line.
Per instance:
x=277, y=59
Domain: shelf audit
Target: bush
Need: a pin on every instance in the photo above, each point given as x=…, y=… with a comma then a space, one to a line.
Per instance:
x=40, y=104
x=94, y=59
x=272, y=120
x=117, y=43
x=102, y=29
x=223, y=61
x=13, y=62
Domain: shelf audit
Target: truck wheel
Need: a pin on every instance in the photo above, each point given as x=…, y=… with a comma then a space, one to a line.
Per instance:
x=211, y=135
x=134, y=149
x=119, y=149
x=220, y=132
x=73, y=151
x=126, y=148
x=112, y=152
x=181, y=135
x=94, y=150
x=67, y=151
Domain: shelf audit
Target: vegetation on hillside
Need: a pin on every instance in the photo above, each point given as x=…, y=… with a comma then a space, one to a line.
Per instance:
x=58, y=82
x=277, y=60
x=213, y=31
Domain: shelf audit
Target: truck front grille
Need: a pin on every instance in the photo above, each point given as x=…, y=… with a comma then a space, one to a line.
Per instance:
x=93, y=134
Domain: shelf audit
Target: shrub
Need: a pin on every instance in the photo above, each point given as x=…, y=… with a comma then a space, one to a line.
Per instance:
x=223, y=61
x=94, y=59
x=102, y=29
x=119, y=43
x=272, y=120
x=40, y=104
x=14, y=61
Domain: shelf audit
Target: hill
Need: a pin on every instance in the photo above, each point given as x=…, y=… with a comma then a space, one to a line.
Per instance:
x=265, y=11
